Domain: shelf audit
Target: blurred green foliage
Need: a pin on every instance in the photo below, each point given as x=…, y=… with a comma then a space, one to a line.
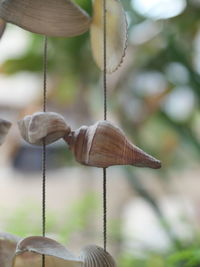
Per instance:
x=23, y=221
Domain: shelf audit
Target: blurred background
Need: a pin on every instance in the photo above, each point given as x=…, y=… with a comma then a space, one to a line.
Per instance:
x=153, y=215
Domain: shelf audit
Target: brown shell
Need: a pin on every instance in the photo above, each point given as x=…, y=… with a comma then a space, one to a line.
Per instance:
x=49, y=17
x=104, y=144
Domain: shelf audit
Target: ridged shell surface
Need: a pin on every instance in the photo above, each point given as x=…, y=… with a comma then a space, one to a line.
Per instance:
x=49, y=17
x=94, y=256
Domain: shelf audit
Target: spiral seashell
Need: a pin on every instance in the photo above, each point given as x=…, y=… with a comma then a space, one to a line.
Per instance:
x=94, y=256
x=4, y=128
x=49, y=17
x=104, y=144
x=40, y=125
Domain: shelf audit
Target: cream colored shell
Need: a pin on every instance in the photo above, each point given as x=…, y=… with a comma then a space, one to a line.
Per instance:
x=48, y=17
x=40, y=125
x=116, y=34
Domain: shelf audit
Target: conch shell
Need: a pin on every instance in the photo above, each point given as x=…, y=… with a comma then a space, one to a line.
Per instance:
x=104, y=144
x=29, y=252
x=40, y=125
x=49, y=17
x=2, y=27
x=4, y=129
x=116, y=34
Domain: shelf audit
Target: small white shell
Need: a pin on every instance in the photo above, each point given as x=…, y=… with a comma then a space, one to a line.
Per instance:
x=94, y=256
x=4, y=128
x=40, y=125
x=49, y=17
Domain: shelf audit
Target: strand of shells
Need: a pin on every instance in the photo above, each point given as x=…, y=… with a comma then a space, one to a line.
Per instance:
x=29, y=250
x=4, y=129
x=49, y=17
x=100, y=145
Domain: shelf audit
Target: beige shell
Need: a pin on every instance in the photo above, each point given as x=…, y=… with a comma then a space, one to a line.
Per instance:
x=103, y=145
x=49, y=17
x=40, y=125
x=4, y=129
x=116, y=33
x=2, y=27
x=94, y=256
x=29, y=252
x=8, y=245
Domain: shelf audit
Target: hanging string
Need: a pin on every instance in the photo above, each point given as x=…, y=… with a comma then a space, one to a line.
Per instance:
x=104, y=58
x=105, y=118
x=44, y=147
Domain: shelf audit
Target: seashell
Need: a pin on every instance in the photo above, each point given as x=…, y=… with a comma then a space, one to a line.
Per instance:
x=104, y=144
x=8, y=245
x=94, y=256
x=49, y=17
x=2, y=27
x=29, y=252
x=116, y=34
x=40, y=125
x=4, y=128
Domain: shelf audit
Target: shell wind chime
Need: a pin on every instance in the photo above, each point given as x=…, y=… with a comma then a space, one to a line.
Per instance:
x=101, y=145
